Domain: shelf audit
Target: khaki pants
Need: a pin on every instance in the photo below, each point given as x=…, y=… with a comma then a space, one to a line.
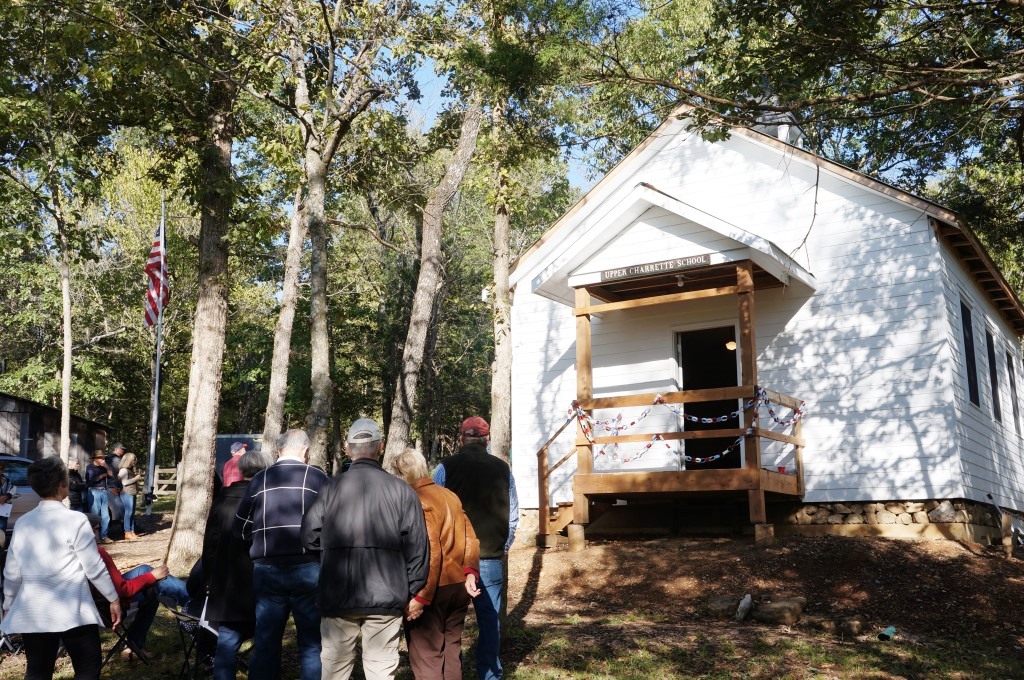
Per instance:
x=380, y=646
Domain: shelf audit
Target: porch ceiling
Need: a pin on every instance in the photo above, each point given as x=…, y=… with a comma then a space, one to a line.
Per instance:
x=699, y=278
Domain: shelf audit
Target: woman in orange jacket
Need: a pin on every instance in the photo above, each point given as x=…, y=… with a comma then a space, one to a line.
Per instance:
x=435, y=616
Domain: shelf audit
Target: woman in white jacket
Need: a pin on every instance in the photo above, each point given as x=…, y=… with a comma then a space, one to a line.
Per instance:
x=51, y=560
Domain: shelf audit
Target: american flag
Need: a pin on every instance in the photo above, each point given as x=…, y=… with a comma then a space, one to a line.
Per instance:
x=156, y=270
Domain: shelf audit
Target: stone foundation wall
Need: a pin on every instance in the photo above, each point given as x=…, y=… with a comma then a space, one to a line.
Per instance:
x=895, y=512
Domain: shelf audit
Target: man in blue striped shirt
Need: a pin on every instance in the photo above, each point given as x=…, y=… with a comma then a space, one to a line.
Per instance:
x=285, y=574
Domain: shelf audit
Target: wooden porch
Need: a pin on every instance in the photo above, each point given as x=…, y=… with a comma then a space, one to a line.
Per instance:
x=593, y=491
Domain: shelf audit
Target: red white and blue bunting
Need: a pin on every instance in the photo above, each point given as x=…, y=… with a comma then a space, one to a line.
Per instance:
x=616, y=426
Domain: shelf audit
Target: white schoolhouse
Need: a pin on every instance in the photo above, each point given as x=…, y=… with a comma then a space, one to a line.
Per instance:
x=743, y=322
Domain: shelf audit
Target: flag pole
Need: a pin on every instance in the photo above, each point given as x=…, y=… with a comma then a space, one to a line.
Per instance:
x=151, y=466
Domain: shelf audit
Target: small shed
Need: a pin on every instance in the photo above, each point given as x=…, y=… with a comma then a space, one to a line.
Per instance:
x=743, y=322
x=32, y=430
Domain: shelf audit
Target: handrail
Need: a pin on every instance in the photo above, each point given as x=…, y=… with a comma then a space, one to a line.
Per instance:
x=543, y=507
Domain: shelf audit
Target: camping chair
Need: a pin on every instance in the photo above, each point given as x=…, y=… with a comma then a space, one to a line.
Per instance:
x=121, y=632
x=198, y=642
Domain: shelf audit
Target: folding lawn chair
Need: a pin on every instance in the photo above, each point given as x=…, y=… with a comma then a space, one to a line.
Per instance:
x=120, y=633
x=198, y=642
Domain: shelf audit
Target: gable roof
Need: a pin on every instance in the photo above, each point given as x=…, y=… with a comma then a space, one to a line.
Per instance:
x=556, y=280
x=949, y=226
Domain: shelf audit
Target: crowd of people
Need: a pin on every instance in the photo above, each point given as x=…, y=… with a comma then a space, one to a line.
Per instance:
x=353, y=559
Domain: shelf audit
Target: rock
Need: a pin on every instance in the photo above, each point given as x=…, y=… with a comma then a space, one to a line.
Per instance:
x=722, y=607
x=885, y=517
x=853, y=519
x=744, y=607
x=822, y=623
x=835, y=519
x=931, y=505
x=920, y=517
x=857, y=508
x=852, y=626
x=943, y=513
x=870, y=518
x=804, y=518
x=821, y=518
x=895, y=508
x=905, y=518
x=961, y=516
x=913, y=506
x=958, y=505
x=841, y=509
x=785, y=611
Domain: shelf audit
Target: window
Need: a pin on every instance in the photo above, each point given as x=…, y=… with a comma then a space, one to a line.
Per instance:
x=1011, y=373
x=969, y=358
x=993, y=376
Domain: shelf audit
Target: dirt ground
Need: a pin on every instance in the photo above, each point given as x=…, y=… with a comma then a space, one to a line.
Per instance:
x=926, y=589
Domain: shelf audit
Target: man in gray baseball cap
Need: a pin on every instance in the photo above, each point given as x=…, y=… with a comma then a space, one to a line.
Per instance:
x=370, y=531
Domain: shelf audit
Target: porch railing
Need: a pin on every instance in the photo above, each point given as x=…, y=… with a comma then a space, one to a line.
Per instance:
x=753, y=433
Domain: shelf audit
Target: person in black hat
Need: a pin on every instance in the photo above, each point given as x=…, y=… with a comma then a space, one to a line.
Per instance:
x=98, y=478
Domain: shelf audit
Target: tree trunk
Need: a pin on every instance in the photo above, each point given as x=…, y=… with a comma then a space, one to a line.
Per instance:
x=337, y=445
x=273, y=421
x=501, y=370
x=428, y=284
x=319, y=417
x=65, y=376
x=195, y=485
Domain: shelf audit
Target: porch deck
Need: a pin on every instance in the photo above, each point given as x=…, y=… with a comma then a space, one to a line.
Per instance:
x=670, y=483
x=590, y=488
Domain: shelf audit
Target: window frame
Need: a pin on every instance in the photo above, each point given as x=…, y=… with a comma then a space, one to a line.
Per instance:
x=993, y=375
x=970, y=353
x=1011, y=375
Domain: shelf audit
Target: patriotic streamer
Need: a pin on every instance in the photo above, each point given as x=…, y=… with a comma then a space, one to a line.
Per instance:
x=615, y=426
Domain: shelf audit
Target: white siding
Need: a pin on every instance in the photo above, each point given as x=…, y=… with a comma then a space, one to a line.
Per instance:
x=991, y=453
x=543, y=387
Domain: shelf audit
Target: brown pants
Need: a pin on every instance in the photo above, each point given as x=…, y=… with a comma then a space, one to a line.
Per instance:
x=435, y=638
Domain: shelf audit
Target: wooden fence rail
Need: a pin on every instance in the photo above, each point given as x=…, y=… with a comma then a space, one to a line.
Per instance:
x=166, y=481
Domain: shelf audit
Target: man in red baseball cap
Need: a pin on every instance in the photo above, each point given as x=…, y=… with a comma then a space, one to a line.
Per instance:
x=487, y=489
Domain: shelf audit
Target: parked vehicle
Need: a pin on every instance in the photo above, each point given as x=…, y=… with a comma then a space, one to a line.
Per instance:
x=16, y=468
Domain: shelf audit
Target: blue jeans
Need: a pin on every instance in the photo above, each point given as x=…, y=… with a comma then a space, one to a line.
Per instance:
x=171, y=587
x=229, y=641
x=487, y=605
x=98, y=506
x=128, y=501
x=280, y=590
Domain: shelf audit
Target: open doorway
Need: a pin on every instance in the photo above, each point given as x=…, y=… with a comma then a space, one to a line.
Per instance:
x=707, y=359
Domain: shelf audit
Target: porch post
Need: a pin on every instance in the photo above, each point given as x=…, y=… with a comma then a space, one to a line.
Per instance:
x=584, y=390
x=748, y=367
